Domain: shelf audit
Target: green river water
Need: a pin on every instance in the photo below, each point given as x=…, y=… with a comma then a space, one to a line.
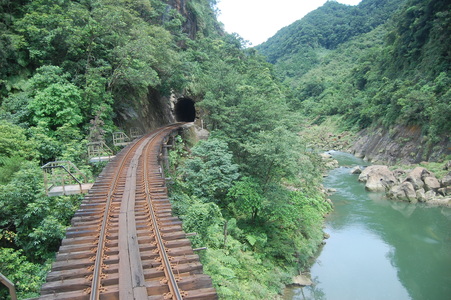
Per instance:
x=379, y=249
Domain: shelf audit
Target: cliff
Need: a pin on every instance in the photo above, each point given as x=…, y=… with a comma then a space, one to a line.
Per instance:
x=399, y=145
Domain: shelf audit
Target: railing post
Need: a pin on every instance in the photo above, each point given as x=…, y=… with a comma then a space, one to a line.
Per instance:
x=9, y=285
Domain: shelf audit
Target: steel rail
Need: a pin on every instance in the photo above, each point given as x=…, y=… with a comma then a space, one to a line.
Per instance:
x=172, y=281
x=96, y=279
x=124, y=242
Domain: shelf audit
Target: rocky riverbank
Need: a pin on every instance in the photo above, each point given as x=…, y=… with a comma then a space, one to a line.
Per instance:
x=399, y=144
x=417, y=184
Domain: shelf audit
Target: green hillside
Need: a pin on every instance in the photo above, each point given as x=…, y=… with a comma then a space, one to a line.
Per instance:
x=390, y=68
x=325, y=28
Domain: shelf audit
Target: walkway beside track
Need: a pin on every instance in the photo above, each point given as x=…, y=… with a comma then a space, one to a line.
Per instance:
x=124, y=242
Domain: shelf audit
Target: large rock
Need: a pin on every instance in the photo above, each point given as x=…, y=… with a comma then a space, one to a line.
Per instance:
x=416, y=177
x=443, y=201
x=356, y=170
x=431, y=183
x=446, y=180
x=445, y=191
x=302, y=280
x=325, y=156
x=399, y=173
x=377, y=178
x=202, y=134
x=430, y=195
x=421, y=195
x=332, y=164
x=404, y=191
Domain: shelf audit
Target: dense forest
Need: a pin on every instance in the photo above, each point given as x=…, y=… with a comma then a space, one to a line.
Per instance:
x=380, y=63
x=72, y=70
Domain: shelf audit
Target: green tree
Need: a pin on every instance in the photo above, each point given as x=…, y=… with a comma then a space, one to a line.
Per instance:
x=26, y=276
x=14, y=142
x=247, y=196
x=210, y=172
x=273, y=155
x=57, y=105
x=37, y=223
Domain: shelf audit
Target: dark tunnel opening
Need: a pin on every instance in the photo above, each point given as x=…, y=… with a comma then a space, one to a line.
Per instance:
x=184, y=110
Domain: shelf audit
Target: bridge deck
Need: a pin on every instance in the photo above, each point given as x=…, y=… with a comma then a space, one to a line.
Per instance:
x=70, y=189
x=124, y=242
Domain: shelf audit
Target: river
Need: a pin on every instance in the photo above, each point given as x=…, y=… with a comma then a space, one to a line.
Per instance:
x=379, y=249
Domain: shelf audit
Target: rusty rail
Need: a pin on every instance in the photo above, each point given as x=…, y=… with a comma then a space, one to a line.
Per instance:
x=124, y=242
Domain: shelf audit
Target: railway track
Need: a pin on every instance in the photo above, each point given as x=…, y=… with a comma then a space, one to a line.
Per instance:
x=124, y=242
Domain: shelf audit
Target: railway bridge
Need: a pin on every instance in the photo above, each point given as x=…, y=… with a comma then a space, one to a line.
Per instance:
x=124, y=242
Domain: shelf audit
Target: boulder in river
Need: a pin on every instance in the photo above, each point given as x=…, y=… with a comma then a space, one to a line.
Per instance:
x=356, y=170
x=377, y=178
x=419, y=185
x=399, y=173
x=404, y=191
x=430, y=195
x=325, y=156
x=416, y=177
x=446, y=180
x=421, y=195
x=445, y=191
x=302, y=280
x=431, y=183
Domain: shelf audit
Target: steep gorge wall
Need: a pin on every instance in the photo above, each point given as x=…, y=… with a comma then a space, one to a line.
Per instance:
x=154, y=109
x=399, y=145
x=190, y=26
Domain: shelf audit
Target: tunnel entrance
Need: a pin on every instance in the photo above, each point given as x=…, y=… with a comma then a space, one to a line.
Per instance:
x=184, y=110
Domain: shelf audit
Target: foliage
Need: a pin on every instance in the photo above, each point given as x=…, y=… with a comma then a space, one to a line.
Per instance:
x=327, y=27
x=247, y=195
x=273, y=155
x=261, y=231
x=56, y=105
x=26, y=276
x=394, y=73
x=211, y=172
x=36, y=223
x=13, y=142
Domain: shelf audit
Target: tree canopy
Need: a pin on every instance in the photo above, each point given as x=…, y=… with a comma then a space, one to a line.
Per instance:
x=389, y=65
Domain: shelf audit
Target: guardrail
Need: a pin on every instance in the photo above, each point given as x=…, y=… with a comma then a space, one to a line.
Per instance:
x=9, y=285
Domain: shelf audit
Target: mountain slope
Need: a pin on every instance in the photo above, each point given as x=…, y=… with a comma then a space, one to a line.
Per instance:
x=327, y=27
x=395, y=75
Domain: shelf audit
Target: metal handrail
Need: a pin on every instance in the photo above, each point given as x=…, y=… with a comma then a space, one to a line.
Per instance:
x=97, y=149
x=9, y=285
x=120, y=138
x=60, y=165
x=71, y=175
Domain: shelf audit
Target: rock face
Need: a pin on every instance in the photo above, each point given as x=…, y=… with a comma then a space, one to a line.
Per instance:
x=398, y=145
x=377, y=178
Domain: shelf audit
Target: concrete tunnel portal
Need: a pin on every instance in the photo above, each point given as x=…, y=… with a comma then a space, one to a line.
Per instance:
x=184, y=110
